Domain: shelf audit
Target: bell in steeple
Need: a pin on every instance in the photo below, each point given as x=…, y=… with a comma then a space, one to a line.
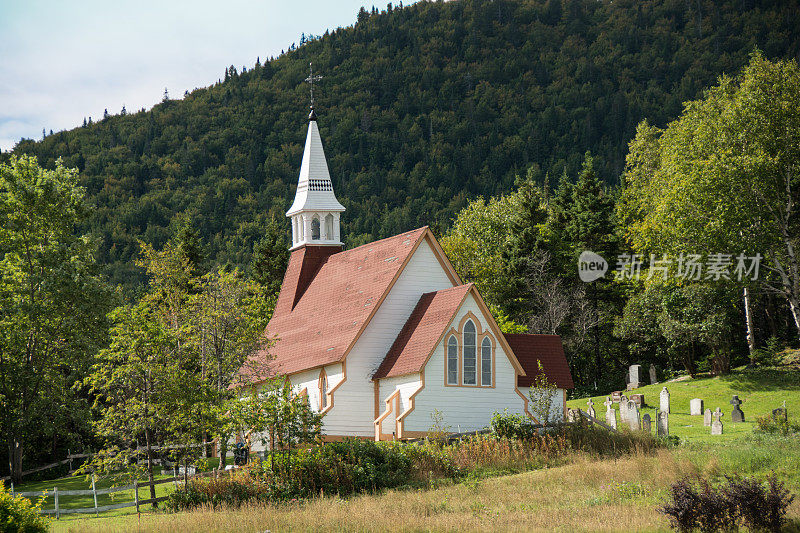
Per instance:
x=315, y=211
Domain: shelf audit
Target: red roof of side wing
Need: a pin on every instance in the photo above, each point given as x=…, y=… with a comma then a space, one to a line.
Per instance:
x=337, y=305
x=545, y=348
x=423, y=329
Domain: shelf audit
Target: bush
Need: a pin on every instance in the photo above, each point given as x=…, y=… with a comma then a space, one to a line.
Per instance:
x=508, y=426
x=19, y=515
x=780, y=426
x=759, y=505
x=350, y=467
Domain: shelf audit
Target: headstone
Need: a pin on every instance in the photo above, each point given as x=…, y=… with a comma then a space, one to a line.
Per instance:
x=590, y=410
x=639, y=399
x=611, y=413
x=716, y=425
x=662, y=424
x=736, y=415
x=635, y=377
x=707, y=418
x=571, y=415
x=615, y=396
x=664, y=400
x=653, y=378
x=633, y=416
x=696, y=407
x=780, y=414
x=646, y=424
x=623, y=408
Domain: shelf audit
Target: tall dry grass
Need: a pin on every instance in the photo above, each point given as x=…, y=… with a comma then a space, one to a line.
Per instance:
x=612, y=494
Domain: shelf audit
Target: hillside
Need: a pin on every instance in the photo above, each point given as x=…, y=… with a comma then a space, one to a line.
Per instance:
x=421, y=108
x=761, y=390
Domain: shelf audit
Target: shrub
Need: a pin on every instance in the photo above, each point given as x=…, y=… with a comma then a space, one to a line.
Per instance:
x=759, y=505
x=781, y=426
x=507, y=426
x=19, y=515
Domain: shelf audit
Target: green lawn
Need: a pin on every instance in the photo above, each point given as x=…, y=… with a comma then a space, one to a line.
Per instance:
x=761, y=391
x=80, y=483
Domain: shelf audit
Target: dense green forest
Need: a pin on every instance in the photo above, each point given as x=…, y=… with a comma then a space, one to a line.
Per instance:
x=421, y=109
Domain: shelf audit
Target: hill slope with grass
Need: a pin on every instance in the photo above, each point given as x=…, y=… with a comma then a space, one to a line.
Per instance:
x=761, y=390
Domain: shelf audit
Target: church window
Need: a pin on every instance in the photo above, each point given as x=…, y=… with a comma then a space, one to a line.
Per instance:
x=329, y=227
x=452, y=361
x=470, y=354
x=486, y=362
x=315, y=228
x=323, y=390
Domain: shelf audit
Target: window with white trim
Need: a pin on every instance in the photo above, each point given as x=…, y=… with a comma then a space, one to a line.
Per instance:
x=452, y=360
x=470, y=354
x=486, y=362
x=315, y=228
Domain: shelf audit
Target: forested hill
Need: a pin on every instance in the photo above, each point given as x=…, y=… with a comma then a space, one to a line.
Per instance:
x=420, y=109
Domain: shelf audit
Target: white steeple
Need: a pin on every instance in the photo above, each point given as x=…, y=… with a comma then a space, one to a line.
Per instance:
x=315, y=211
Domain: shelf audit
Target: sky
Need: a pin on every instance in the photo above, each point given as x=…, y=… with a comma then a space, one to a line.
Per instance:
x=61, y=61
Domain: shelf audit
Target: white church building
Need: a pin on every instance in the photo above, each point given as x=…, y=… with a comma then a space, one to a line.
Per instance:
x=381, y=337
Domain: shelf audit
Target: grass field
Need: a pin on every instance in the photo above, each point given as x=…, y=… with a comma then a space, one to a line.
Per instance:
x=586, y=495
x=761, y=391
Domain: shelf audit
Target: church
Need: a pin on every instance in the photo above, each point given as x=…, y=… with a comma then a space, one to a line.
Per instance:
x=384, y=337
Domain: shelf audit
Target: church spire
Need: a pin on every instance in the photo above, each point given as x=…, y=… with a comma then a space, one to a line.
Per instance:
x=315, y=211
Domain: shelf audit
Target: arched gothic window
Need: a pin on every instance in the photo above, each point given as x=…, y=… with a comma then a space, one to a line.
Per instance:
x=315, y=228
x=452, y=361
x=329, y=227
x=323, y=391
x=470, y=354
x=486, y=362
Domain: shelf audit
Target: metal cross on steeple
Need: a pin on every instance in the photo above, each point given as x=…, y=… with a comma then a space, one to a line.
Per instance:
x=311, y=79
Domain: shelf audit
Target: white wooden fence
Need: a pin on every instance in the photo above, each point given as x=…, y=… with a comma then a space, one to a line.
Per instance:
x=56, y=494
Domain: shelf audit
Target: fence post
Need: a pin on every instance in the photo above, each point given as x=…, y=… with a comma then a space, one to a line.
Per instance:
x=94, y=493
x=55, y=493
x=69, y=456
x=175, y=476
x=136, y=494
x=12, y=490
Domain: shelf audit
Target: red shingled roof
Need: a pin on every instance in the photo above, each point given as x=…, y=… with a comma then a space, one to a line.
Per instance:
x=423, y=329
x=545, y=348
x=338, y=302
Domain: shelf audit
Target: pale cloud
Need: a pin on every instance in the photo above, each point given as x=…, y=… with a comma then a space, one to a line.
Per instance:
x=63, y=61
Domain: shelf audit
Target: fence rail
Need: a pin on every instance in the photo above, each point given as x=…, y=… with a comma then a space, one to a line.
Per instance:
x=95, y=492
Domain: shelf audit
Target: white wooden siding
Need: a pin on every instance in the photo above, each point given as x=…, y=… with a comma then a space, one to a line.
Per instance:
x=353, y=411
x=556, y=408
x=464, y=408
x=407, y=385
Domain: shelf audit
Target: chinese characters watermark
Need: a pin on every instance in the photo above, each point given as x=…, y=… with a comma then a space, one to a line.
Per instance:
x=689, y=267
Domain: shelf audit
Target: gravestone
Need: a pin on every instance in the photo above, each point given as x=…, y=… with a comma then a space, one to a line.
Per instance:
x=646, y=423
x=611, y=413
x=634, y=421
x=696, y=407
x=716, y=425
x=571, y=416
x=616, y=395
x=653, y=377
x=590, y=410
x=664, y=400
x=639, y=399
x=662, y=424
x=623, y=408
x=780, y=414
x=736, y=415
x=707, y=418
x=635, y=378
